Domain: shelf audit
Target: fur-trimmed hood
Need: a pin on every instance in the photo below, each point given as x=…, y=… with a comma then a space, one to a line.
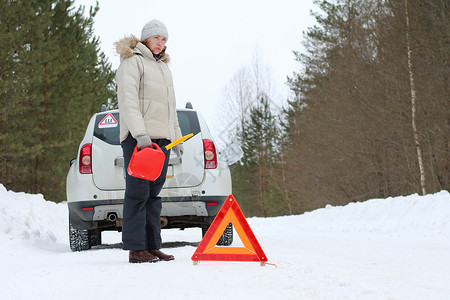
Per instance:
x=128, y=46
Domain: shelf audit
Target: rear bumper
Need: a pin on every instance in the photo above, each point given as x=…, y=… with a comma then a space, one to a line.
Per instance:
x=179, y=212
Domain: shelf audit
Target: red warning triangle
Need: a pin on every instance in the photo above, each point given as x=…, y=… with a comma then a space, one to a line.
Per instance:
x=108, y=121
x=229, y=213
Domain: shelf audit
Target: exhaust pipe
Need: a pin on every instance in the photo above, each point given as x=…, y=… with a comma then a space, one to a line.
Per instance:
x=111, y=217
x=164, y=221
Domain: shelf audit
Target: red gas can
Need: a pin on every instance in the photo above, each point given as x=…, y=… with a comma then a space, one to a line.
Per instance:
x=146, y=163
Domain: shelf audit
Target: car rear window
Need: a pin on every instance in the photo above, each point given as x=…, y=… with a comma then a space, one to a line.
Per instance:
x=107, y=125
x=107, y=128
x=188, y=121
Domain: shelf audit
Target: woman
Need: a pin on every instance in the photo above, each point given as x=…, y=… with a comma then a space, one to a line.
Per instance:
x=147, y=114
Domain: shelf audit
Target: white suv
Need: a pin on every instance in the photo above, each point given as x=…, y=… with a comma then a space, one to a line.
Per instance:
x=197, y=183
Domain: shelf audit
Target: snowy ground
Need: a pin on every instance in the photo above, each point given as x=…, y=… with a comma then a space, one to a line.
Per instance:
x=395, y=248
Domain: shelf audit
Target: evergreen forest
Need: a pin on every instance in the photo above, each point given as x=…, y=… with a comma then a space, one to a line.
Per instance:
x=53, y=77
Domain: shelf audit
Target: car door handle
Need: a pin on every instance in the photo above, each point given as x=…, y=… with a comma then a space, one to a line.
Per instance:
x=119, y=162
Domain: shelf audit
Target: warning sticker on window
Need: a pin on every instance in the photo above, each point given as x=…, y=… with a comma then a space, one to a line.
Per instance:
x=108, y=121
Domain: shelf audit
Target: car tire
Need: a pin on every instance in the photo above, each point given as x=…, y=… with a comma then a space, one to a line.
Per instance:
x=79, y=239
x=95, y=237
x=227, y=237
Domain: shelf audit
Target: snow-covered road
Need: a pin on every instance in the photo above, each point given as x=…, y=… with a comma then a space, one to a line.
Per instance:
x=395, y=248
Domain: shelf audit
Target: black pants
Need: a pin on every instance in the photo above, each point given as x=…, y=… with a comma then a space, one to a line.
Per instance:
x=142, y=206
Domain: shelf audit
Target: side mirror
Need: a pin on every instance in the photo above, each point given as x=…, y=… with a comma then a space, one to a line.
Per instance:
x=232, y=154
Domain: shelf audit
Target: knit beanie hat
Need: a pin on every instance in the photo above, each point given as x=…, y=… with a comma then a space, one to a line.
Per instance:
x=154, y=27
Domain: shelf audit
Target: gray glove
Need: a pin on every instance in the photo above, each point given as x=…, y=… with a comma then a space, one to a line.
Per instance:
x=179, y=150
x=143, y=141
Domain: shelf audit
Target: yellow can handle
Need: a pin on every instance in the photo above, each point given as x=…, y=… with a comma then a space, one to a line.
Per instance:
x=180, y=140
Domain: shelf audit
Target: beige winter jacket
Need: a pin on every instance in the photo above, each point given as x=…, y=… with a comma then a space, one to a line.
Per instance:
x=145, y=93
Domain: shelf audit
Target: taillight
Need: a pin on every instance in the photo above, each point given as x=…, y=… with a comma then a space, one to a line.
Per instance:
x=210, y=154
x=86, y=159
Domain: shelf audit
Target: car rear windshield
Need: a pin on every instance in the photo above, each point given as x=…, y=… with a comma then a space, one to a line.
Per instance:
x=107, y=125
x=188, y=121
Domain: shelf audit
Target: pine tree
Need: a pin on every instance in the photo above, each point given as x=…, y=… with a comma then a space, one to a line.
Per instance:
x=260, y=145
x=54, y=78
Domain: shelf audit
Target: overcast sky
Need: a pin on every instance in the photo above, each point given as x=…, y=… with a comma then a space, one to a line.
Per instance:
x=210, y=40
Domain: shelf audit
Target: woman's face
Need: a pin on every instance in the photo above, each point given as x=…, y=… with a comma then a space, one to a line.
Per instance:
x=156, y=43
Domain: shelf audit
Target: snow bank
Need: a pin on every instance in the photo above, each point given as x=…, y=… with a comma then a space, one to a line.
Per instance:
x=414, y=215
x=31, y=218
